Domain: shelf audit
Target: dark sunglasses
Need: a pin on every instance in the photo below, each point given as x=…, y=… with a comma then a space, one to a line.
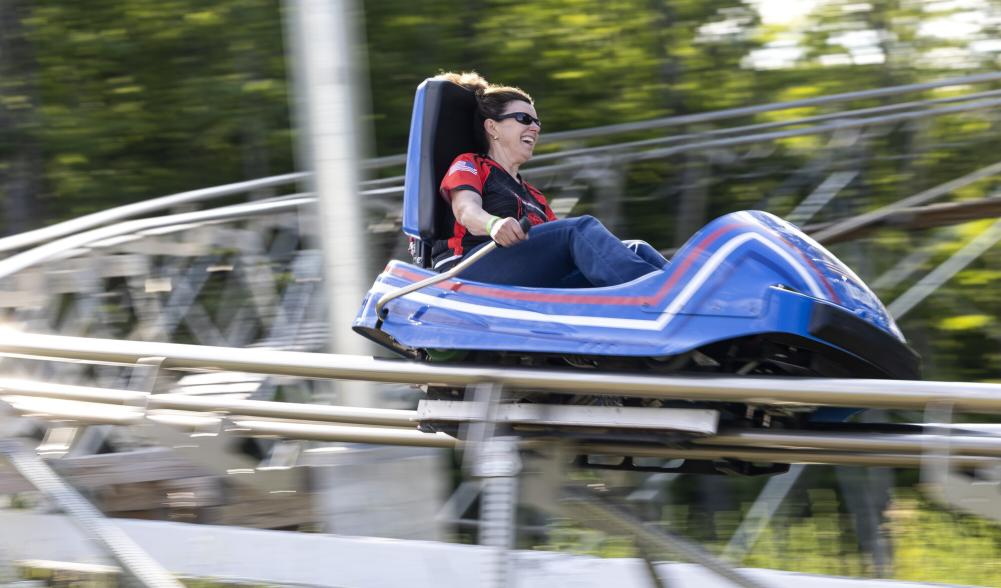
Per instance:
x=522, y=117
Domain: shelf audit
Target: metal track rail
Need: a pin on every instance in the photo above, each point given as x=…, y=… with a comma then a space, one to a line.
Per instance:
x=835, y=450
x=120, y=213
x=968, y=448
x=779, y=455
x=960, y=442
x=895, y=394
x=275, y=419
x=50, y=250
x=256, y=408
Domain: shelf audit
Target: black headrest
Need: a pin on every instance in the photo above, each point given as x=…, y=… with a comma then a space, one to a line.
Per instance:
x=448, y=129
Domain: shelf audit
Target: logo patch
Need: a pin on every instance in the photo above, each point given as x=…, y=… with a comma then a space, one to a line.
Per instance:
x=462, y=166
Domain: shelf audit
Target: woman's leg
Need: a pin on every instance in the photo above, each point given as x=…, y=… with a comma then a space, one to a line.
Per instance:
x=536, y=263
x=599, y=255
x=554, y=250
x=647, y=252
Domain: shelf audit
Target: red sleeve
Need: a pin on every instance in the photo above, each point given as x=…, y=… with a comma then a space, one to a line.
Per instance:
x=462, y=174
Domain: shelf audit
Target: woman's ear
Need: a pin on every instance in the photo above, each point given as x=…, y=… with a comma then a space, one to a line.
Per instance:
x=490, y=126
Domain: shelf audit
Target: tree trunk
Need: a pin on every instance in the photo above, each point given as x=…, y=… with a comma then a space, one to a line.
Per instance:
x=20, y=153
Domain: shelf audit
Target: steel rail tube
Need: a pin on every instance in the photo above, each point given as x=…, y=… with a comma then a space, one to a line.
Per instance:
x=962, y=396
x=791, y=456
x=21, y=387
x=660, y=153
x=615, y=148
x=42, y=253
x=400, y=159
x=761, y=108
x=91, y=413
x=311, y=431
x=385, y=417
x=394, y=436
x=120, y=213
x=884, y=450
x=459, y=268
x=324, y=432
x=606, y=150
x=251, y=408
x=984, y=446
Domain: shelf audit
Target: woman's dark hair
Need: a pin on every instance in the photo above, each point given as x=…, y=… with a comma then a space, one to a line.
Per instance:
x=491, y=99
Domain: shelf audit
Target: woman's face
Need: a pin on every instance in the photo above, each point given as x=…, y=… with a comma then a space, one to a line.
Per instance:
x=514, y=139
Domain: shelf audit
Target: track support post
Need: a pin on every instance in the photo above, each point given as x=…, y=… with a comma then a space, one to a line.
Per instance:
x=139, y=568
x=977, y=492
x=495, y=461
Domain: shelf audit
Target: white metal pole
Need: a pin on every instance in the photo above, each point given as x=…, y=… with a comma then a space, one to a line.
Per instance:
x=324, y=37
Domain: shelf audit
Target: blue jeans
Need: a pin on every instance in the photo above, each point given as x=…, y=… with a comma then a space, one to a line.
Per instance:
x=569, y=253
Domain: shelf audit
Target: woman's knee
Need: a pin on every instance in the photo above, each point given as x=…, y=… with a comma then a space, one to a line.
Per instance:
x=646, y=252
x=587, y=223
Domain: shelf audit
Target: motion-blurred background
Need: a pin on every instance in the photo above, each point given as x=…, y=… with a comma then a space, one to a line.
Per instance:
x=649, y=125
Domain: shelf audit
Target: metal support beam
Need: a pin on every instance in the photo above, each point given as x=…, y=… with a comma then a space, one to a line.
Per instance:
x=838, y=231
x=943, y=273
x=139, y=566
x=761, y=513
x=495, y=461
x=325, y=32
x=698, y=421
x=593, y=509
x=979, y=494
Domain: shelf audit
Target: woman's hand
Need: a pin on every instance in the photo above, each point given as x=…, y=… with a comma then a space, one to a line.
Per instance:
x=468, y=210
x=506, y=231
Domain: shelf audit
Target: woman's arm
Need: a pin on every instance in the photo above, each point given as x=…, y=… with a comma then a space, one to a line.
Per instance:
x=467, y=206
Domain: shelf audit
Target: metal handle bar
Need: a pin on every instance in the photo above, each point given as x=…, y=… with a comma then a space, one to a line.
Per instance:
x=459, y=267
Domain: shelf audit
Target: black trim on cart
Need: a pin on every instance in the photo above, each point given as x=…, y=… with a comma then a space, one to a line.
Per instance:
x=853, y=334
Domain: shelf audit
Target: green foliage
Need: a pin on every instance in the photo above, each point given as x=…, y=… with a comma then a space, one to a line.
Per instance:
x=964, y=322
x=933, y=545
x=929, y=544
x=139, y=100
x=585, y=64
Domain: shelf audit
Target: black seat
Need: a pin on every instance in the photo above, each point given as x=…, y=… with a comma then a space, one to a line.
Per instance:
x=442, y=127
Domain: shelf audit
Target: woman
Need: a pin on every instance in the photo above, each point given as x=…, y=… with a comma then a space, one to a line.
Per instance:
x=488, y=198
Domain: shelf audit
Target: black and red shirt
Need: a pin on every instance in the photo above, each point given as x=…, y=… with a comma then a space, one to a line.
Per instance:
x=502, y=196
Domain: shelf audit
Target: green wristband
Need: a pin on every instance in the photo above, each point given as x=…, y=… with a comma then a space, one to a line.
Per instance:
x=490, y=225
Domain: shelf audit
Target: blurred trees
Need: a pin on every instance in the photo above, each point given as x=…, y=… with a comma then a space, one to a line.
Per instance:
x=137, y=100
x=20, y=154
x=586, y=64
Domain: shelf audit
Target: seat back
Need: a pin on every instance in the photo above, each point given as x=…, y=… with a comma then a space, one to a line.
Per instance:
x=442, y=127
